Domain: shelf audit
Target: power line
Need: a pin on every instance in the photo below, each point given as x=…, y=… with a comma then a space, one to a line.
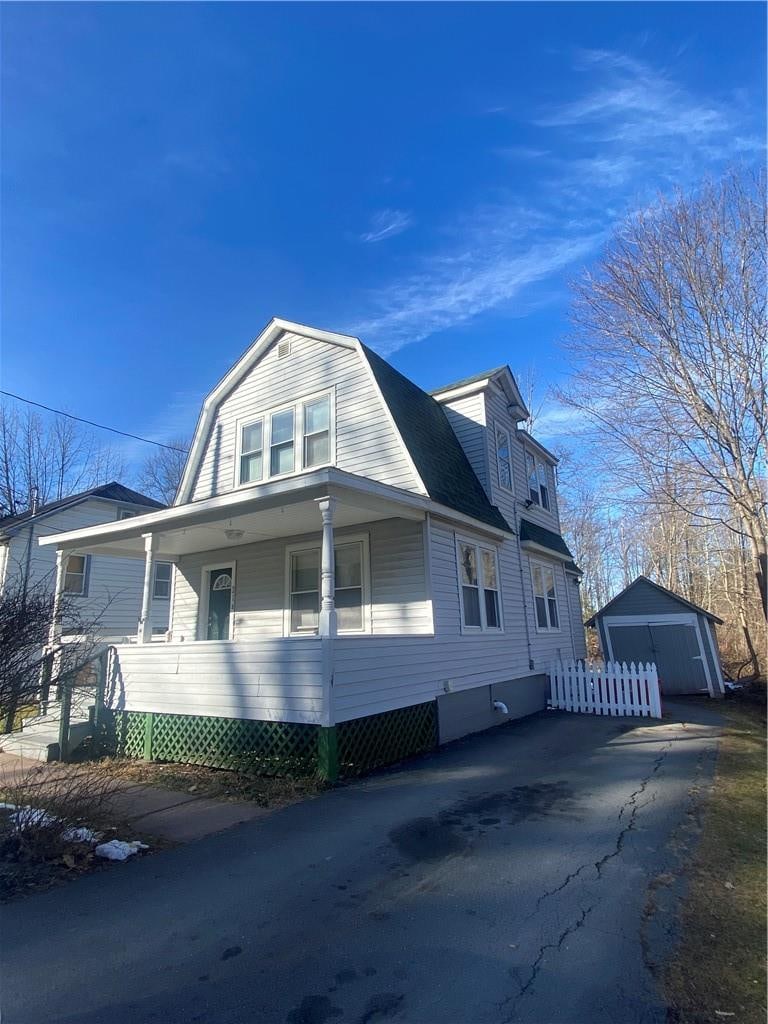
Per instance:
x=99, y=426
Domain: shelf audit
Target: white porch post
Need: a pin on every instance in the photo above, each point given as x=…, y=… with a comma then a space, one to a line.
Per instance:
x=145, y=622
x=327, y=626
x=61, y=564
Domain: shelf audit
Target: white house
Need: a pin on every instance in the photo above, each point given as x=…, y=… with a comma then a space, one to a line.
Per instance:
x=105, y=590
x=379, y=567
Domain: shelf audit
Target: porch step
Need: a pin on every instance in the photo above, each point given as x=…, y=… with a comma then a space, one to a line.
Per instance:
x=41, y=742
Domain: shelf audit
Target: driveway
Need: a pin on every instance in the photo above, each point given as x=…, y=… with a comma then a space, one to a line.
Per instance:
x=504, y=879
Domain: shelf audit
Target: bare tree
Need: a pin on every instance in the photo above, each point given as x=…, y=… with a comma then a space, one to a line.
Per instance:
x=161, y=474
x=46, y=458
x=670, y=360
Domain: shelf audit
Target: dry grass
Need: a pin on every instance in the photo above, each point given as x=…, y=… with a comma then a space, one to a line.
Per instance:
x=216, y=783
x=718, y=975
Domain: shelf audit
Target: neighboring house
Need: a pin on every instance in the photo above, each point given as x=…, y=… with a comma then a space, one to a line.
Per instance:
x=106, y=590
x=346, y=546
x=646, y=622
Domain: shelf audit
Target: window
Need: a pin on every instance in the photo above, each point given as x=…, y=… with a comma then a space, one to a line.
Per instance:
x=124, y=513
x=286, y=440
x=479, y=578
x=350, y=595
x=545, y=596
x=538, y=481
x=76, y=575
x=504, y=458
x=162, y=584
x=281, y=458
x=317, y=432
x=252, y=452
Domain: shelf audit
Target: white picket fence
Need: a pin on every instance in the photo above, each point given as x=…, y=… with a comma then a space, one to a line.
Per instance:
x=605, y=689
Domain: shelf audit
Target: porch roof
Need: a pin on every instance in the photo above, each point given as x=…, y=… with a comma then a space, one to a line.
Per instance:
x=262, y=512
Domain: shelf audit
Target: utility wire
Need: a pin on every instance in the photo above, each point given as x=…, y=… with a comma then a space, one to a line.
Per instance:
x=99, y=426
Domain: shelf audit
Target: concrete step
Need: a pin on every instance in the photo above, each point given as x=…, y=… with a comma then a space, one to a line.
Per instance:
x=42, y=744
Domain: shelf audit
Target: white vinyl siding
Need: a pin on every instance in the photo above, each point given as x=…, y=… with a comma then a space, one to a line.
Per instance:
x=467, y=417
x=362, y=439
x=398, y=598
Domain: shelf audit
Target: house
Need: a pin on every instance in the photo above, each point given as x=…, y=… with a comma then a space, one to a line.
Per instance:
x=648, y=623
x=369, y=567
x=105, y=589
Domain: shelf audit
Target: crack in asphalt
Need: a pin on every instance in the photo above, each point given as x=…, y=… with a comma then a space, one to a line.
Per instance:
x=630, y=805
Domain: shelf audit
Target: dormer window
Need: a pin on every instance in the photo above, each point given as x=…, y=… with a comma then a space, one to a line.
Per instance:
x=286, y=440
x=538, y=481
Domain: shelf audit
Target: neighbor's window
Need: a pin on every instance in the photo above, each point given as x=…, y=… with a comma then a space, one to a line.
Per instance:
x=252, y=452
x=479, y=576
x=76, y=575
x=162, y=584
x=538, y=481
x=545, y=596
x=317, y=432
x=349, y=593
x=504, y=458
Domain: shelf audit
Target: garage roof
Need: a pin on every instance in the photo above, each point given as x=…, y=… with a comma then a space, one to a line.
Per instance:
x=643, y=580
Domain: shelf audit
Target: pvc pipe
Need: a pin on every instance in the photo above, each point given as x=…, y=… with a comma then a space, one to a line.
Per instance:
x=499, y=705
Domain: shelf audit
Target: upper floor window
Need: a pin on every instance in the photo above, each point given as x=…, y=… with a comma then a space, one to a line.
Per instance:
x=538, y=481
x=125, y=513
x=162, y=583
x=504, y=458
x=295, y=438
x=545, y=596
x=76, y=575
x=479, y=579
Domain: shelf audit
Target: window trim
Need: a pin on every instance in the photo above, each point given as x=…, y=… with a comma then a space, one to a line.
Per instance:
x=339, y=540
x=479, y=547
x=155, y=595
x=265, y=416
x=202, y=609
x=548, y=628
x=499, y=428
x=86, y=575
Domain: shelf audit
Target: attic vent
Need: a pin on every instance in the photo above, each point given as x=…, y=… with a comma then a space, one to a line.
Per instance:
x=283, y=349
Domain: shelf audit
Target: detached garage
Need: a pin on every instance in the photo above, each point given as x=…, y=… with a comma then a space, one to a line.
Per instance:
x=646, y=622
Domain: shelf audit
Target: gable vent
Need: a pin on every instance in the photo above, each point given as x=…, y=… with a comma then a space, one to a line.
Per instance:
x=284, y=349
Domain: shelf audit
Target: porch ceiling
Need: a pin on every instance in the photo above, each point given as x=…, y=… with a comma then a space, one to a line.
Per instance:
x=203, y=526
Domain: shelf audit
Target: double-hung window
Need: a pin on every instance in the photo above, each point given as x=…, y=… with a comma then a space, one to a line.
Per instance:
x=162, y=583
x=504, y=458
x=538, y=481
x=545, y=596
x=350, y=594
x=286, y=440
x=76, y=575
x=479, y=580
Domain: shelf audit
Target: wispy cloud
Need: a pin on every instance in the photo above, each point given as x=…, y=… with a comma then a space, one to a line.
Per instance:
x=632, y=130
x=385, y=224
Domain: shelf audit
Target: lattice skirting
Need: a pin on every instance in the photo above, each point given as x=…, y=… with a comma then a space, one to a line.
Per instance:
x=377, y=740
x=278, y=748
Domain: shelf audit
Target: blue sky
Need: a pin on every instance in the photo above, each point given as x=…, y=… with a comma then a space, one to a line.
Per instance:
x=429, y=177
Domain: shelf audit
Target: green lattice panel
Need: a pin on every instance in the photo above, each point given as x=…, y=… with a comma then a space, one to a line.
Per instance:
x=368, y=743
x=129, y=733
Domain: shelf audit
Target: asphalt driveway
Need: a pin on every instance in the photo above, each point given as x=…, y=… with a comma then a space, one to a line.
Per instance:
x=526, y=875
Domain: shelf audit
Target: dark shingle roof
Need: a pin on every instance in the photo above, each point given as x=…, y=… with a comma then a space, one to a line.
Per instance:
x=436, y=452
x=644, y=579
x=469, y=380
x=544, y=538
x=112, y=491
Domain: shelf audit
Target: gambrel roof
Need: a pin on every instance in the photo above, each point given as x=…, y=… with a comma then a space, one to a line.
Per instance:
x=440, y=465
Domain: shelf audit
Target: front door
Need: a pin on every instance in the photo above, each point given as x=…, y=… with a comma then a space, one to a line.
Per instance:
x=219, y=603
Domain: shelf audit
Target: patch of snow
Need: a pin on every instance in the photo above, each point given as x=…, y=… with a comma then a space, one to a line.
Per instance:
x=118, y=849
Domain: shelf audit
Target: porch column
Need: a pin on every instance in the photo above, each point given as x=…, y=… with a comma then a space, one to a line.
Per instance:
x=54, y=632
x=145, y=622
x=327, y=625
